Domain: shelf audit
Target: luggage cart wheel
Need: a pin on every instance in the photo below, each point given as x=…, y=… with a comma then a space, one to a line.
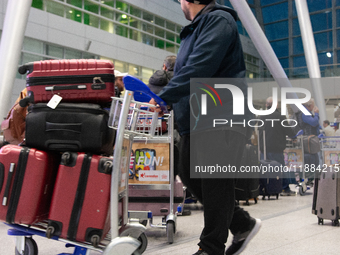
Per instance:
x=31, y=247
x=170, y=231
x=277, y=196
x=143, y=244
x=302, y=191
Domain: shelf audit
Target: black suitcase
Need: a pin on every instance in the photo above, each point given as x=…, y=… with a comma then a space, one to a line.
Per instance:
x=270, y=181
x=248, y=188
x=69, y=127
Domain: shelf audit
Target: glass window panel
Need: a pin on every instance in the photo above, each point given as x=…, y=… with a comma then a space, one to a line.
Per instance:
x=54, y=51
x=121, y=66
x=121, y=30
x=171, y=26
x=89, y=56
x=90, y=6
x=108, y=2
x=107, y=26
x=73, y=14
x=178, y=29
x=148, y=16
x=26, y=58
x=284, y=62
x=55, y=8
x=338, y=17
x=299, y=61
x=277, y=30
x=135, y=35
x=325, y=58
x=146, y=74
x=266, y=2
x=170, y=36
x=317, y=5
x=147, y=28
x=107, y=13
x=134, y=70
x=275, y=12
x=240, y=28
x=135, y=12
x=250, y=1
x=337, y=4
x=135, y=23
x=147, y=39
x=323, y=41
x=159, y=32
x=280, y=48
x=296, y=27
x=321, y=21
x=122, y=6
x=178, y=39
x=77, y=3
x=33, y=45
x=159, y=21
x=122, y=18
x=72, y=54
x=160, y=44
x=297, y=46
x=338, y=37
x=91, y=20
x=170, y=47
x=38, y=4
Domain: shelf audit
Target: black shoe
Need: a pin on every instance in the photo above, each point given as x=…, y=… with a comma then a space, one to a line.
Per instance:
x=241, y=240
x=200, y=252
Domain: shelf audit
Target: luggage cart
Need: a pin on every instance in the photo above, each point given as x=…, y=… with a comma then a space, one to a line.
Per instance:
x=165, y=183
x=330, y=147
x=127, y=235
x=294, y=160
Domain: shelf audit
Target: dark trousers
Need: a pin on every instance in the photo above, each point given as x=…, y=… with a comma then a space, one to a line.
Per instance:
x=217, y=195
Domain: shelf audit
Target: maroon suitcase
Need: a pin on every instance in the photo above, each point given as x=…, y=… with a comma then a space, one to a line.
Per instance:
x=156, y=201
x=75, y=80
x=27, y=177
x=80, y=203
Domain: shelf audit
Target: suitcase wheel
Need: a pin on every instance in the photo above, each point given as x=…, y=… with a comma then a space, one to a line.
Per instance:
x=277, y=196
x=335, y=222
x=31, y=247
x=320, y=221
x=255, y=199
x=143, y=244
x=49, y=231
x=95, y=239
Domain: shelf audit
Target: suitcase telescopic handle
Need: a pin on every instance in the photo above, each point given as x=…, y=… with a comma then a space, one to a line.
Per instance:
x=26, y=68
x=143, y=92
x=8, y=184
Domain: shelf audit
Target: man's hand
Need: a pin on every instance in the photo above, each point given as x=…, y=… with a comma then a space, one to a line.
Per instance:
x=316, y=109
x=157, y=108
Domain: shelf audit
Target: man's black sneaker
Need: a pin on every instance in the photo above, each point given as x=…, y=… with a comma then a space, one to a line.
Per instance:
x=241, y=240
x=200, y=252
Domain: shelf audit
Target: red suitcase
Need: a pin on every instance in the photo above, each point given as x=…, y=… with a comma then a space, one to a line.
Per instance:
x=80, y=203
x=75, y=80
x=27, y=177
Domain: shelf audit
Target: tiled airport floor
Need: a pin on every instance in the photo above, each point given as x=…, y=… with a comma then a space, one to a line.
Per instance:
x=288, y=227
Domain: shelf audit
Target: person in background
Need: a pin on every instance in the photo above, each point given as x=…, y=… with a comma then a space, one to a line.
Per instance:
x=161, y=78
x=329, y=131
x=276, y=143
x=119, y=84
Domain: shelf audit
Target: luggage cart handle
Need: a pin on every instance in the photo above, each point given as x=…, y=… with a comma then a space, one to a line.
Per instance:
x=142, y=92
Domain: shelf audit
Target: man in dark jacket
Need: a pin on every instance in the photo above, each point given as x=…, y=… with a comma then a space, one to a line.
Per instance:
x=276, y=143
x=211, y=48
x=161, y=78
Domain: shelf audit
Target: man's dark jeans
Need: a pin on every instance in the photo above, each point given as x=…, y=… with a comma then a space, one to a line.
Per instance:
x=217, y=195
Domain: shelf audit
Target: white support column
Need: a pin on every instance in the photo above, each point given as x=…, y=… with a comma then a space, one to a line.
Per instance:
x=262, y=45
x=10, y=49
x=311, y=56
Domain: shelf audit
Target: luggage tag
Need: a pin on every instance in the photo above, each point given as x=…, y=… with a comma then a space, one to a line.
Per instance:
x=55, y=100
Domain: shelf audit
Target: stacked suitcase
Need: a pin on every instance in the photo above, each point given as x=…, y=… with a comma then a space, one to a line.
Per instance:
x=63, y=173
